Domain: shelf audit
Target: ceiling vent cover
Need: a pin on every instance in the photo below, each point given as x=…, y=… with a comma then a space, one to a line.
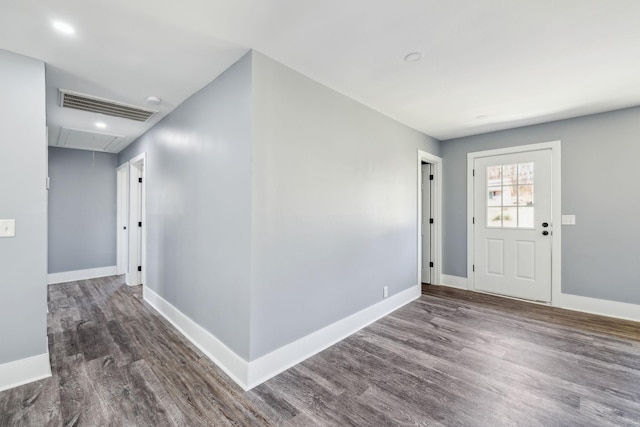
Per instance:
x=93, y=104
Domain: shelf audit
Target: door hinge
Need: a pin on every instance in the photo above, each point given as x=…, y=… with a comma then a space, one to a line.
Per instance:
x=430, y=220
x=473, y=221
x=140, y=180
x=430, y=177
x=473, y=173
x=139, y=223
x=431, y=264
x=139, y=268
x=474, y=268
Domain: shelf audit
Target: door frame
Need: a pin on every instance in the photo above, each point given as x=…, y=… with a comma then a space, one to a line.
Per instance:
x=122, y=242
x=436, y=208
x=137, y=169
x=556, y=210
x=426, y=215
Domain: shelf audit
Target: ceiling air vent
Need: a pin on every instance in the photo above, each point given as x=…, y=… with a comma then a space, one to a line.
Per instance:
x=93, y=104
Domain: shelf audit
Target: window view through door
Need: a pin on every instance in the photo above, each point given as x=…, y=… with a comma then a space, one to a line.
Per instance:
x=510, y=195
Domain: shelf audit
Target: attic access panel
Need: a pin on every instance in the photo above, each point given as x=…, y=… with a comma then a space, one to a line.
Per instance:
x=86, y=140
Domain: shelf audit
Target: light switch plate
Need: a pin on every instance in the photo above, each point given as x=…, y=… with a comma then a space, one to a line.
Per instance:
x=7, y=227
x=568, y=220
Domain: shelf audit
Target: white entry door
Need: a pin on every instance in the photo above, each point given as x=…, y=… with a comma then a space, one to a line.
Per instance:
x=512, y=225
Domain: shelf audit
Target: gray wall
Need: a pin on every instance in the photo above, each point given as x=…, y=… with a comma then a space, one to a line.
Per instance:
x=334, y=206
x=277, y=206
x=23, y=197
x=82, y=209
x=199, y=206
x=601, y=254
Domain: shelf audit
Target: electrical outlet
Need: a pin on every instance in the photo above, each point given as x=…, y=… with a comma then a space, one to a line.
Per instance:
x=7, y=227
x=385, y=292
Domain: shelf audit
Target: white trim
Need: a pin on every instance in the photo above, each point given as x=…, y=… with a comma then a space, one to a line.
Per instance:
x=454, y=281
x=24, y=371
x=601, y=307
x=556, y=217
x=620, y=310
x=436, y=200
x=232, y=364
x=470, y=225
x=556, y=209
x=250, y=374
x=137, y=169
x=139, y=158
x=72, y=276
x=122, y=221
x=279, y=360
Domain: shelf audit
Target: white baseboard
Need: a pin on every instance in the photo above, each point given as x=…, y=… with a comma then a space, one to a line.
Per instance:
x=250, y=374
x=454, y=281
x=232, y=364
x=24, y=371
x=72, y=276
x=620, y=310
x=271, y=364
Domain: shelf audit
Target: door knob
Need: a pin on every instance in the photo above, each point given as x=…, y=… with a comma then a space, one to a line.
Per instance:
x=545, y=233
x=545, y=224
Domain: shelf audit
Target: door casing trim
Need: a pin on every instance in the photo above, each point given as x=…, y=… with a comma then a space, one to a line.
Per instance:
x=122, y=242
x=137, y=169
x=436, y=203
x=556, y=210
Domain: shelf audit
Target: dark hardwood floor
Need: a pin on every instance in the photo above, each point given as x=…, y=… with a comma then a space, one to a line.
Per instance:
x=451, y=358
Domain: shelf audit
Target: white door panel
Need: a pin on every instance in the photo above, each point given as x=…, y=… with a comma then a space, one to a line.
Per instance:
x=525, y=259
x=512, y=225
x=495, y=257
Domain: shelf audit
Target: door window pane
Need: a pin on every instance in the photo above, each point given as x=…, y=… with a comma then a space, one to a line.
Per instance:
x=510, y=190
x=509, y=175
x=525, y=195
x=509, y=217
x=525, y=173
x=494, y=196
x=494, y=175
x=510, y=195
x=525, y=217
x=494, y=217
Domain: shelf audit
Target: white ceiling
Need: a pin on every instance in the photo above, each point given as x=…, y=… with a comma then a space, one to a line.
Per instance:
x=516, y=62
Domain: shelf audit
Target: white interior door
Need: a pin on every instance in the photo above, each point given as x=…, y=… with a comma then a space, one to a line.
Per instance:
x=122, y=231
x=512, y=225
x=426, y=223
x=136, y=222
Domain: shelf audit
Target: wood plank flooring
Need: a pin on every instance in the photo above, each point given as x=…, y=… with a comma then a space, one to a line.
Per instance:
x=451, y=358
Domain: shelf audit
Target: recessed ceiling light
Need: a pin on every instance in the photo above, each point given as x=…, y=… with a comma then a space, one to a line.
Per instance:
x=63, y=27
x=413, y=57
x=101, y=125
x=481, y=117
x=154, y=100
